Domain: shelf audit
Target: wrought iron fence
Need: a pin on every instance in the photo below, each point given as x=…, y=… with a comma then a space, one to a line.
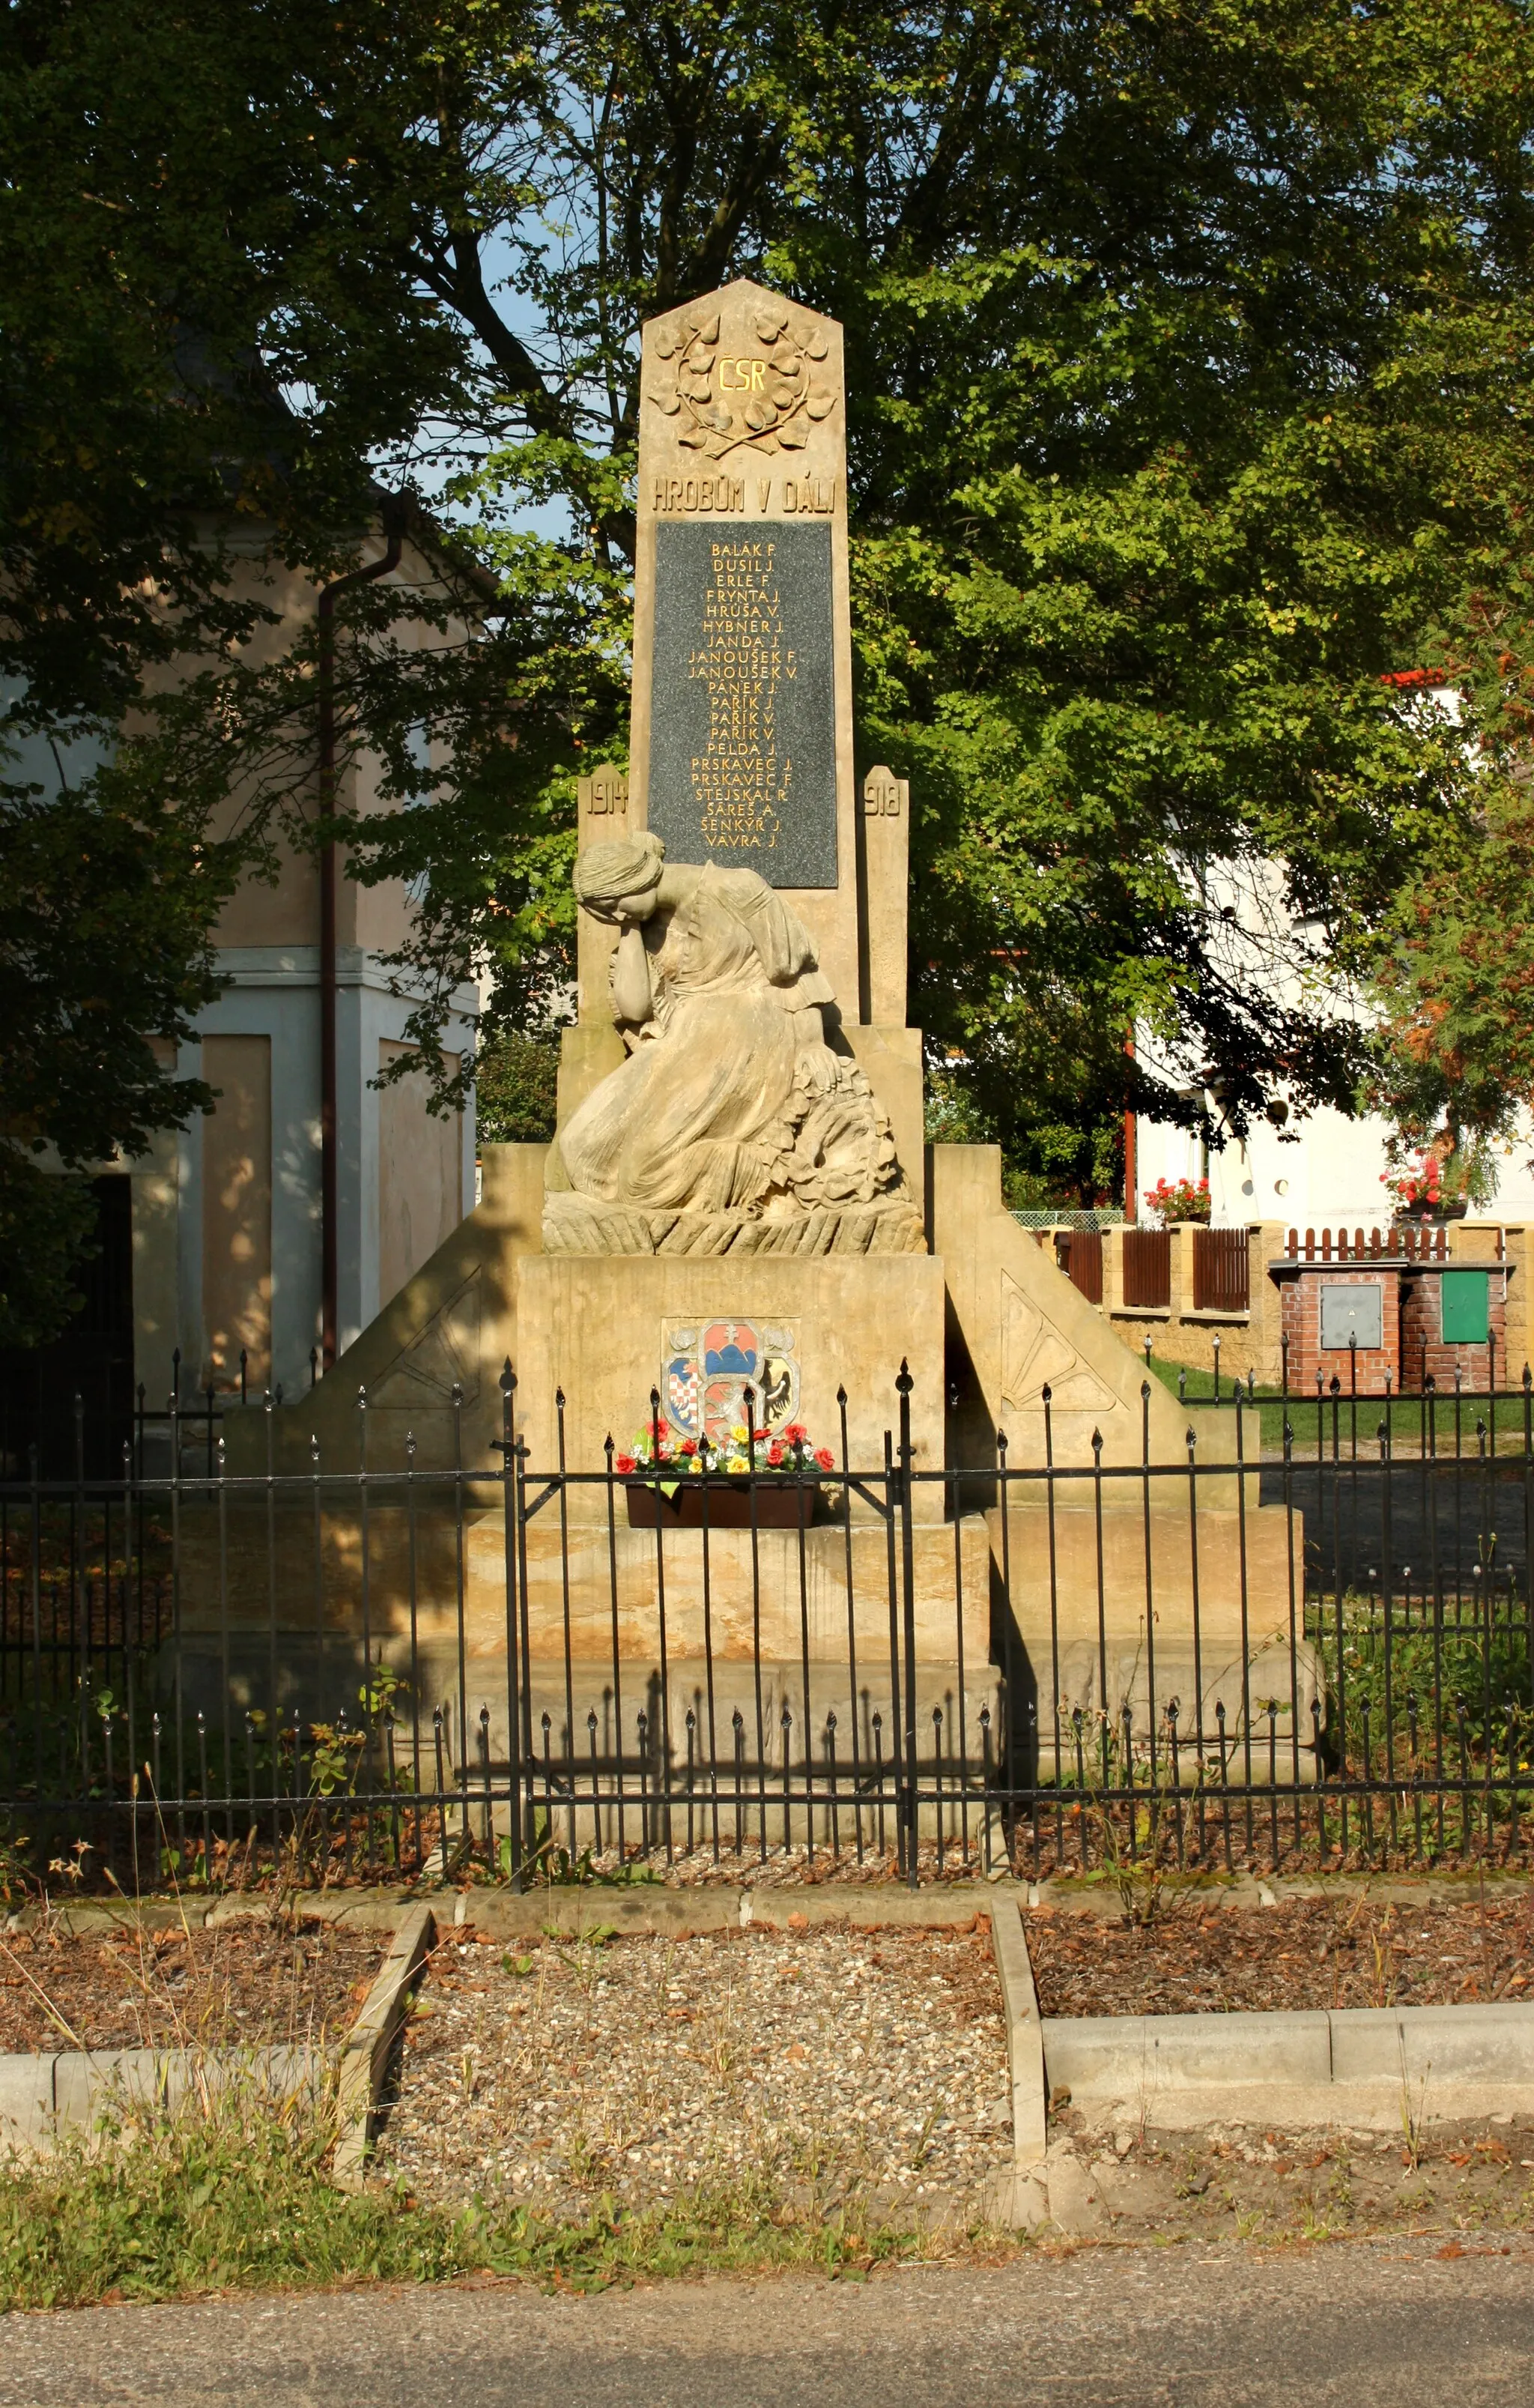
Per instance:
x=1292, y=1654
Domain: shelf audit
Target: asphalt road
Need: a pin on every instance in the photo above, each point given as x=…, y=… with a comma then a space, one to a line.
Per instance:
x=1383, y=2324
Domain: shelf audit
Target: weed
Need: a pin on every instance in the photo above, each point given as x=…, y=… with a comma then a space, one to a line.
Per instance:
x=228, y=2194
x=919, y=2154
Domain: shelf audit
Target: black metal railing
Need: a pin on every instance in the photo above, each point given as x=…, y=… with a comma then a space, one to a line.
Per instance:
x=1287, y=1653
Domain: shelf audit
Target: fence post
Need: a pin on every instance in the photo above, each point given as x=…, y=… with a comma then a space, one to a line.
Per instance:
x=908, y=1804
x=1178, y=1271
x=513, y=1679
x=1112, y=1273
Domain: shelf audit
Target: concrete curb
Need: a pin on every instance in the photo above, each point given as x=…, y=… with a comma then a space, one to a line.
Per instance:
x=367, y=2045
x=1380, y=2069
x=1070, y=1894
x=1025, y=2035
x=639, y=1907
x=41, y=2093
x=654, y=1906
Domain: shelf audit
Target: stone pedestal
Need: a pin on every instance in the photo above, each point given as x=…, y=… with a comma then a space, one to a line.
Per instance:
x=597, y=1328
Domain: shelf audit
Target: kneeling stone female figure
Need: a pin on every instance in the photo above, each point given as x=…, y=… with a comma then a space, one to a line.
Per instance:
x=731, y=1105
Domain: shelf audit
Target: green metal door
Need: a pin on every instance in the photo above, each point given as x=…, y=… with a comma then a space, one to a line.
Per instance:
x=1466, y=1307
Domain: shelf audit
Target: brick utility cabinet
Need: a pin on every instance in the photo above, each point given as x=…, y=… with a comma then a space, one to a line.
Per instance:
x=1388, y=1310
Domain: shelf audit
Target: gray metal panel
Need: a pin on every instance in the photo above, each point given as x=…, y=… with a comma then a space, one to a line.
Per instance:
x=1351, y=1310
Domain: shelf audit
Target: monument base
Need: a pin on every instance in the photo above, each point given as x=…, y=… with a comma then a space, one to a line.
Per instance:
x=819, y=1343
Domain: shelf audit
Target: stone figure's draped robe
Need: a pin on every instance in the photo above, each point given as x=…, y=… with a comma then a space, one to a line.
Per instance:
x=701, y=1113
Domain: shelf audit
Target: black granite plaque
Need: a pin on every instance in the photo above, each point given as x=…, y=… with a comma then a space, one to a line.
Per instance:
x=742, y=712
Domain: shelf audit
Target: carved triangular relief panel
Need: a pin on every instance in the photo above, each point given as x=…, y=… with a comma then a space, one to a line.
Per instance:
x=1036, y=1354
x=760, y=392
x=447, y=1350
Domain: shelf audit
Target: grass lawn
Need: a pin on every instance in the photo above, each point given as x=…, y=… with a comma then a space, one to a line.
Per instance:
x=1345, y=1423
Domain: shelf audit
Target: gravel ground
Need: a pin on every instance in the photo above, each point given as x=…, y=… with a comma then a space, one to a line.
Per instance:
x=235, y=1983
x=1200, y=1957
x=641, y=2068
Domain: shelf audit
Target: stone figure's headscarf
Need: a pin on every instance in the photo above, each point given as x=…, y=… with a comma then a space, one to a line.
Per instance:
x=624, y=867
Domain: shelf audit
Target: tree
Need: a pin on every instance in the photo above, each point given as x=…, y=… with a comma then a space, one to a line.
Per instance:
x=1189, y=398
x=1455, y=984
x=159, y=263
x=515, y=1082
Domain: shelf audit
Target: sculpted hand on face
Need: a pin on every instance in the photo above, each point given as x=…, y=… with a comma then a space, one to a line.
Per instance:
x=731, y=1105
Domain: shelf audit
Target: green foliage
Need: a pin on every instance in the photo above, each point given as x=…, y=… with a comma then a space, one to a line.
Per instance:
x=1045, y=1163
x=1188, y=397
x=46, y=1224
x=515, y=1080
x=1456, y=981
x=1475, y=1662
x=233, y=2197
x=229, y=2200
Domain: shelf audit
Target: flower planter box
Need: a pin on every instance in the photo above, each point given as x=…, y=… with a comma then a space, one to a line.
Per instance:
x=780, y=1504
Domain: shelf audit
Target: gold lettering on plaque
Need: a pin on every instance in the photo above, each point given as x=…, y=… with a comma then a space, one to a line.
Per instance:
x=742, y=781
x=816, y=496
x=689, y=494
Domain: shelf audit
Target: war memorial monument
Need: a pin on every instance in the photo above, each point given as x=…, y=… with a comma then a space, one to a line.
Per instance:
x=738, y=1217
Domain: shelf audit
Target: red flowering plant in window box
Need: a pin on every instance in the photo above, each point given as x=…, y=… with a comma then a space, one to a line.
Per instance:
x=1420, y=1192
x=769, y=1477
x=1178, y=1199
x=1417, y=1189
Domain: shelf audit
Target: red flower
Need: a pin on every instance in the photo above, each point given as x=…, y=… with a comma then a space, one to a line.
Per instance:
x=689, y=1446
x=774, y=1456
x=824, y=1457
x=625, y=1463
x=794, y=1434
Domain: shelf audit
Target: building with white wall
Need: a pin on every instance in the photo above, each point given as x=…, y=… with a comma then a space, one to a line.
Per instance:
x=1324, y=1171
x=225, y=1229
x=1320, y=1172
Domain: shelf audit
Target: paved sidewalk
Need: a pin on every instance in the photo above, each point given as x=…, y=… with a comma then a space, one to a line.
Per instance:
x=1388, y=2325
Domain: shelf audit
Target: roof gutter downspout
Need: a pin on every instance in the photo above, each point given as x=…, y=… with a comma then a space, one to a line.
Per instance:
x=394, y=528
x=1131, y=1148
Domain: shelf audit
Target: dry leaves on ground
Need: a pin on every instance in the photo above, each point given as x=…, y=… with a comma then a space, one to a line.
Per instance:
x=234, y=1983
x=1199, y=1956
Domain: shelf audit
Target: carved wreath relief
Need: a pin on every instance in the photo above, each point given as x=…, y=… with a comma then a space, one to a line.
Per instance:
x=726, y=400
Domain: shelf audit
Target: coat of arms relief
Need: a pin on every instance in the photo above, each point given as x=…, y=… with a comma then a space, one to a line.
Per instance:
x=706, y=1367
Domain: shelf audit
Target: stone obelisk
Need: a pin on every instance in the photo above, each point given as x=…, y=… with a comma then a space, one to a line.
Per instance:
x=741, y=748
x=741, y=741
